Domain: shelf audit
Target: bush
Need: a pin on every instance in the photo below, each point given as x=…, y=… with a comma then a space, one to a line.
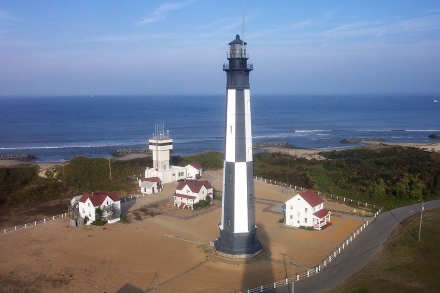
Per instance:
x=99, y=223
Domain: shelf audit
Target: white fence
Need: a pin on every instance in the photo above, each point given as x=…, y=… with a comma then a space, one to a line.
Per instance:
x=34, y=223
x=311, y=271
x=326, y=261
x=291, y=189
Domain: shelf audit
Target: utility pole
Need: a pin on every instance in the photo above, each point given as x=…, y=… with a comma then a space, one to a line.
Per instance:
x=421, y=216
x=110, y=167
x=293, y=264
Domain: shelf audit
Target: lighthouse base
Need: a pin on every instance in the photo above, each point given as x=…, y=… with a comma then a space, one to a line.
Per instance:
x=238, y=245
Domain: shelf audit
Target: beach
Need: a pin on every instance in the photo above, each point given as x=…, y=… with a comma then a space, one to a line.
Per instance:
x=299, y=152
x=314, y=153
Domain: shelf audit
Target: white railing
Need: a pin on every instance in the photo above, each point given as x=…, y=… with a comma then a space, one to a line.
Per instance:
x=290, y=189
x=33, y=223
x=327, y=260
x=311, y=271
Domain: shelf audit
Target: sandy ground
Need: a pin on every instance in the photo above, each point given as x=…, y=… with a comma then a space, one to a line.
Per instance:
x=160, y=254
x=311, y=153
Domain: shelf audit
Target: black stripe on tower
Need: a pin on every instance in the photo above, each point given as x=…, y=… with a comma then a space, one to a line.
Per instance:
x=229, y=196
x=237, y=79
x=240, y=126
x=251, y=196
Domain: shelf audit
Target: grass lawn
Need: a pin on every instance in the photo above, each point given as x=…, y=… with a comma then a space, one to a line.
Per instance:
x=403, y=264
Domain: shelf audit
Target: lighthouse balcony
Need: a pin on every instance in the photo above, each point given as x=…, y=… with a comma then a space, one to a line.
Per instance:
x=248, y=66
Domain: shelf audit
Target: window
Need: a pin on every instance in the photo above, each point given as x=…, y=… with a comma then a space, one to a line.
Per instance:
x=230, y=129
x=297, y=221
x=298, y=214
x=230, y=176
x=305, y=220
x=88, y=204
x=83, y=211
x=291, y=216
x=291, y=207
x=305, y=210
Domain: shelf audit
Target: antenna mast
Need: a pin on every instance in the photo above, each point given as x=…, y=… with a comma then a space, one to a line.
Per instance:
x=242, y=25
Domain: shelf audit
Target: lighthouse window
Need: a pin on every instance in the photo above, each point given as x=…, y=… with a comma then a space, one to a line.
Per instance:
x=230, y=128
x=230, y=176
x=229, y=223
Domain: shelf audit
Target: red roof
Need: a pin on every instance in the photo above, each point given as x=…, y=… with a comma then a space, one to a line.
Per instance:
x=98, y=197
x=196, y=165
x=185, y=196
x=151, y=179
x=321, y=213
x=194, y=185
x=311, y=197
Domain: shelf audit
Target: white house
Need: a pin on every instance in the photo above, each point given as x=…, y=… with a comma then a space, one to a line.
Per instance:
x=190, y=192
x=108, y=202
x=193, y=170
x=150, y=185
x=307, y=209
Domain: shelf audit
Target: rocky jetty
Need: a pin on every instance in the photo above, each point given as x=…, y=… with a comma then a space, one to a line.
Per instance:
x=358, y=140
x=124, y=152
x=278, y=144
x=17, y=157
x=434, y=136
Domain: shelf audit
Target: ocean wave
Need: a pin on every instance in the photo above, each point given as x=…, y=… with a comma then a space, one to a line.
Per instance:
x=398, y=130
x=315, y=130
x=73, y=146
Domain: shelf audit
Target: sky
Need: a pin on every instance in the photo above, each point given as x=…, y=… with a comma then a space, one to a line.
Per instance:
x=83, y=47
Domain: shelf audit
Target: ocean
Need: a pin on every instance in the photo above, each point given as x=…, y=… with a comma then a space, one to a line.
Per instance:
x=55, y=129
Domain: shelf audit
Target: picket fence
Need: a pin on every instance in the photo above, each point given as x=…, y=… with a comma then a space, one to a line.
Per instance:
x=311, y=271
x=327, y=260
x=34, y=223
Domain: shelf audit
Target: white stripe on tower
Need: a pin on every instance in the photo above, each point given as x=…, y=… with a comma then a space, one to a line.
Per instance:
x=230, y=122
x=240, y=199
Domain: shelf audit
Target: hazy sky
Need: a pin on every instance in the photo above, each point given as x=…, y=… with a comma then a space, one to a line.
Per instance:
x=54, y=47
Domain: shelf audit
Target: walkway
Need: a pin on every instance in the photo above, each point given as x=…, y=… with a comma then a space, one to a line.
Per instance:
x=357, y=255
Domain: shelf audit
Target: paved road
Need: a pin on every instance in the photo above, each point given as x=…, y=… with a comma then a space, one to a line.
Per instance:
x=359, y=252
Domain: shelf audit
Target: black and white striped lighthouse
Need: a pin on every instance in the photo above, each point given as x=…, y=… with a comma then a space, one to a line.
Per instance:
x=238, y=238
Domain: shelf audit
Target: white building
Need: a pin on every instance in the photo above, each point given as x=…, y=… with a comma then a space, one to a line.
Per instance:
x=190, y=192
x=108, y=202
x=161, y=145
x=150, y=185
x=193, y=170
x=306, y=209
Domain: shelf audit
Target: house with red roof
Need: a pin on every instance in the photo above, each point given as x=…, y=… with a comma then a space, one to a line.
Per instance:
x=108, y=202
x=150, y=185
x=189, y=192
x=306, y=209
x=193, y=170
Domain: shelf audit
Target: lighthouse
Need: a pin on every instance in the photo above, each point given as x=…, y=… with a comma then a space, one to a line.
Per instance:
x=238, y=232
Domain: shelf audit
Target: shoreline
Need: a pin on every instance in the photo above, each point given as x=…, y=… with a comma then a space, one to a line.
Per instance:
x=299, y=152
x=48, y=164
